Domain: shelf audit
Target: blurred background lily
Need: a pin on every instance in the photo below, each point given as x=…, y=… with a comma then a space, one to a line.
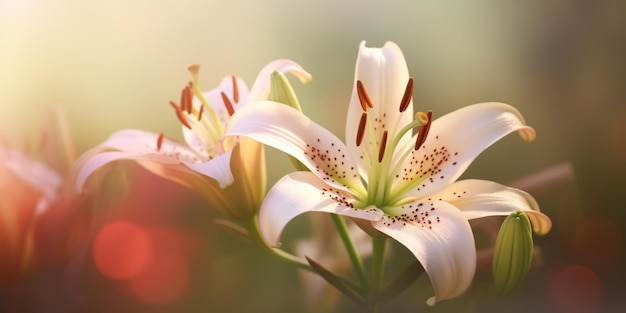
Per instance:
x=111, y=64
x=54, y=241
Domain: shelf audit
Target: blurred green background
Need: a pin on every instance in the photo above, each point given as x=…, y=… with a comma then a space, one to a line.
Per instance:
x=115, y=64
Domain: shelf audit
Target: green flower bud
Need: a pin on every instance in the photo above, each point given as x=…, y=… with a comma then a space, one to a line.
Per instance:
x=513, y=252
x=281, y=91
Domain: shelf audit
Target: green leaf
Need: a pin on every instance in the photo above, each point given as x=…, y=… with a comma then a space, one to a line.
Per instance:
x=336, y=282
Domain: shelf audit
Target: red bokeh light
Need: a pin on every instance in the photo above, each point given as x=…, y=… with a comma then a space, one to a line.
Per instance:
x=166, y=278
x=122, y=250
x=599, y=241
x=576, y=289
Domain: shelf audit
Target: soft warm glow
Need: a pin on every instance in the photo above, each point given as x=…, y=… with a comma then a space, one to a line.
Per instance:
x=167, y=276
x=122, y=250
x=576, y=289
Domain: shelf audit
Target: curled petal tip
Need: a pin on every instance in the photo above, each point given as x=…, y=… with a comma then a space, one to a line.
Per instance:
x=304, y=76
x=431, y=301
x=541, y=223
x=288, y=66
x=527, y=133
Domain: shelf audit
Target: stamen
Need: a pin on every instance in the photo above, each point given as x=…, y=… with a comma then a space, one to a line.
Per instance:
x=185, y=99
x=364, y=98
x=361, y=132
x=214, y=126
x=179, y=114
x=200, y=113
x=228, y=104
x=381, y=148
x=235, y=89
x=160, y=141
x=408, y=95
x=423, y=131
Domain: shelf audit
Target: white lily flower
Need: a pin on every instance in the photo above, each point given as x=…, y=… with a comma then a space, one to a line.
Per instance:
x=404, y=184
x=231, y=179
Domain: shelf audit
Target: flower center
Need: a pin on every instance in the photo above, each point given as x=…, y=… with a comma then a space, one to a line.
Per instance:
x=205, y=123
x=385, y=149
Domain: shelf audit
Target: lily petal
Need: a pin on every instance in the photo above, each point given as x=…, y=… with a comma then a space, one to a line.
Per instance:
x=36, y=174
x=441, y=239
x=228, y=201
x=481, y=198
x=217, y=168
x=131, y=145
x=454, y=141
x=168, y=168
x=301, y=192
x=87, y=166
x=290, y=131
x=384, y=74
x=143, y=142
x=261, y=87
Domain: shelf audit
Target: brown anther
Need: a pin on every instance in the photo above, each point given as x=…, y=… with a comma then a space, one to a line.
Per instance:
x=160, y=142
x=235, y=89
x=364, y=98
x=228, y=104
x=185, y=99
x=381, y=148
x=361, y=131
x=200, y=113
x=179, y=114
x=423, y=131
x=408, y=95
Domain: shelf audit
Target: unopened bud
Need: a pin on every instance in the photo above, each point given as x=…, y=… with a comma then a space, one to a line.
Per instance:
x=281, y=91
x=513, y=252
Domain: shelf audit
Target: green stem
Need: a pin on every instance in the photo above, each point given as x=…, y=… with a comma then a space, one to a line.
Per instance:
x=378, y=269
x=253, y=229
x=252, y=226
x=342, y=228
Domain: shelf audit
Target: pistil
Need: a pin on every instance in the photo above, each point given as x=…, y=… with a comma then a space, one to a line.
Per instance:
x=381, y=175
x=423, y=132
x=214, y=119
